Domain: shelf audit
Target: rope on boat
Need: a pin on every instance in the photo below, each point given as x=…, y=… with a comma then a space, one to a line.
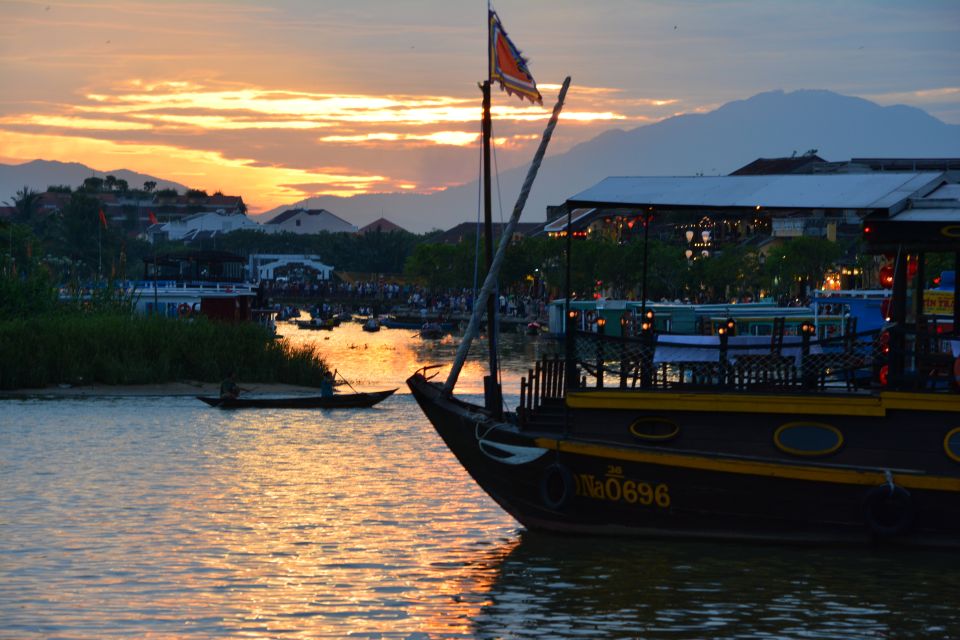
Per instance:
x=504, y=453
x=491, y=280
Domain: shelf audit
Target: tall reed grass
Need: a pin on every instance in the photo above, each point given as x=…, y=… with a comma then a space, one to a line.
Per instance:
x=111, y=348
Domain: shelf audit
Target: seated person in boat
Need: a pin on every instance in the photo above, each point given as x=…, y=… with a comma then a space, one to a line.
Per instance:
x=229, y=389
x=326, y=385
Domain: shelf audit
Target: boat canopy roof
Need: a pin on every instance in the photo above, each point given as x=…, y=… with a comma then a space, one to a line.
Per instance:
x=866, y=191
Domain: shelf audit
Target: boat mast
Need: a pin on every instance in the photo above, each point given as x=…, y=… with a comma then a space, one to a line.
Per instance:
x=491, y=382
x=491, y=279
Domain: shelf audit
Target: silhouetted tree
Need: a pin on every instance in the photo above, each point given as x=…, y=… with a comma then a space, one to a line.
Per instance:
x=25, y=201
x=93, y=184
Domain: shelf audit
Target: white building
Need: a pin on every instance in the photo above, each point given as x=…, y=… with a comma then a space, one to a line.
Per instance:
x=308, y=221
x=202, y=225
x=263, y=266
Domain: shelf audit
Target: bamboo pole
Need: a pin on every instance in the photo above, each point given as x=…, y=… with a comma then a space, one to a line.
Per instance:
x=491, y=280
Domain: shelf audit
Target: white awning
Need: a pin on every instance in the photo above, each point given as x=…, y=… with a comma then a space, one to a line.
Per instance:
x=818, y=191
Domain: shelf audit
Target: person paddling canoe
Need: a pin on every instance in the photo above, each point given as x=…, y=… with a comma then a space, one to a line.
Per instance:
x=229, y=389
x=326, y=384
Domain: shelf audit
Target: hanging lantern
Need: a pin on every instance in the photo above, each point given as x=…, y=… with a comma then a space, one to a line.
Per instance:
x=886, y=276
x=705, y=234
x=689, y=235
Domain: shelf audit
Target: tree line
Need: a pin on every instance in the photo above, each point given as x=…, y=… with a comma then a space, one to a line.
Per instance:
x=72, y=244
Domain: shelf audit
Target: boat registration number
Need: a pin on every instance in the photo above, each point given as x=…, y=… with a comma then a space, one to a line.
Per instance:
x=615, y=487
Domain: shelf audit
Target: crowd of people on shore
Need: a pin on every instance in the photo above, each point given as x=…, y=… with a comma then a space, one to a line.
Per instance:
x=370, y=289
x=370, y=295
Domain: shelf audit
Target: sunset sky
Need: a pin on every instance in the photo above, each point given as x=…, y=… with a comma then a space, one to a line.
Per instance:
x=278, y=101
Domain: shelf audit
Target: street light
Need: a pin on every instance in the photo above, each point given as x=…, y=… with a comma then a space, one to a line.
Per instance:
x=647, y=218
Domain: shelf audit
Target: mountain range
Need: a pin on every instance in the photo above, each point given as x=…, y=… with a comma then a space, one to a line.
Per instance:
x=40, y=174
x=771, y=124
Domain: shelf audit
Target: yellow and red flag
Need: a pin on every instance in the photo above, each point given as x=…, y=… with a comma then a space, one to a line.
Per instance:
x=103, y=219
x=508, y=66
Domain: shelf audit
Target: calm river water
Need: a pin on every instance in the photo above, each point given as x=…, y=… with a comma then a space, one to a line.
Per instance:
x=152, y=517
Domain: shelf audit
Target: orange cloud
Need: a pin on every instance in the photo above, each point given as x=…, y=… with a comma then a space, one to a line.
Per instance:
x=203, y=134
x=263, y=186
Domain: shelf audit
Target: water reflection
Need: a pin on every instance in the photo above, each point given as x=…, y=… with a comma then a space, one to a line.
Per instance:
x=160, y=517
x=389, y=356
x=575, y=587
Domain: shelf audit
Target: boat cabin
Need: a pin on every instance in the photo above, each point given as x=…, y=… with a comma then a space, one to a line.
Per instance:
x=208, y=283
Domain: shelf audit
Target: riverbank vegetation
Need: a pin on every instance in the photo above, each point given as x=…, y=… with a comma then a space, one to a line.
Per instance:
x=45, y=341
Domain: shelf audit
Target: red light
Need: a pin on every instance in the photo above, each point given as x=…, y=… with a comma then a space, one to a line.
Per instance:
x=866, y=230
x=884, y=374
x=886, y=276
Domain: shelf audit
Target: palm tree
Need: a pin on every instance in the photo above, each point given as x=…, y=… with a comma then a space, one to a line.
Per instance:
x=25, y=202
x=149, y=186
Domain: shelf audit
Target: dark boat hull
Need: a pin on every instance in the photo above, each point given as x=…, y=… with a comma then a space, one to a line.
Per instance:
x=414, y=324
x=340, y=401
x=719, y=479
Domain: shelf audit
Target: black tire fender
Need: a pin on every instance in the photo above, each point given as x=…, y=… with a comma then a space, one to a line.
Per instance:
x=557, y=486
x=889, y=510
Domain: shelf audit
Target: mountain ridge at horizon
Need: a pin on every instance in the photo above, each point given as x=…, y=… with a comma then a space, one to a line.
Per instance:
x=766, y=125
x=839, y=127
x=38, y=174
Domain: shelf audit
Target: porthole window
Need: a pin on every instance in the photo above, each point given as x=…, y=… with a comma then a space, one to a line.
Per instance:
x=654, y=429
x=808, y=438
x=951, y=444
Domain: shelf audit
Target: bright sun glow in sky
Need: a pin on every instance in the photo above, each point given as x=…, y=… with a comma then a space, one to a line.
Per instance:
x=284, y=100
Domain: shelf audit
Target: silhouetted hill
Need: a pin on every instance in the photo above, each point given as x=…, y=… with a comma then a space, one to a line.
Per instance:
x=772, y=124
x=40, y=174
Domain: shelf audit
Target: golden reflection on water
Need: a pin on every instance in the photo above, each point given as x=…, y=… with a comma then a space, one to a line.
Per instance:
x=163, y=518
x=389, y=356
x=345, y=522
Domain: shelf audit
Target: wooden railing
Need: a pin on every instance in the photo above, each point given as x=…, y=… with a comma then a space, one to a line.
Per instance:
x=544, y=381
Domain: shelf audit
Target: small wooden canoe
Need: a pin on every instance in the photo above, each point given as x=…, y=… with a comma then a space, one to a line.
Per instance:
x=337, y=401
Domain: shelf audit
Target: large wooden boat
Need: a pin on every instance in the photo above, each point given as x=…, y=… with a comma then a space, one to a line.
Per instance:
x=850, y=439
x=337, y=401
x=847, y=439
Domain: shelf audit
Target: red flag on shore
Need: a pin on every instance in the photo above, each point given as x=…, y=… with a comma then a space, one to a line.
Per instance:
x=103, y=219
x=153, y=218
x=507, y=66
